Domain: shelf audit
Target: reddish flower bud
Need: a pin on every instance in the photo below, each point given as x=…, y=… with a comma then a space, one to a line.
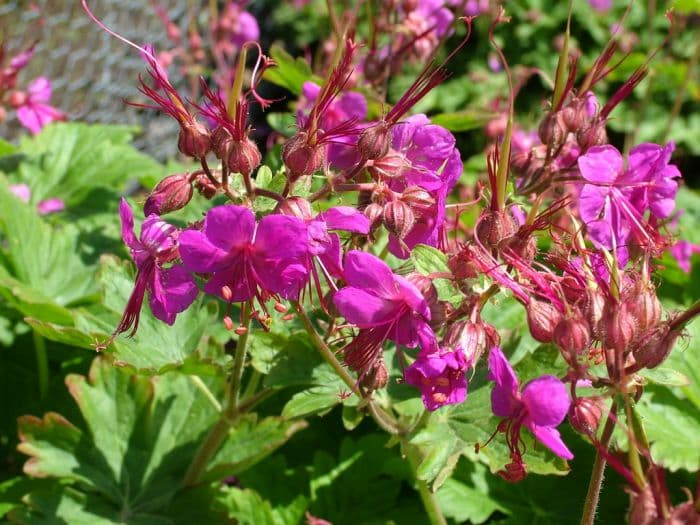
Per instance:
x=205, y=186
x=644, y=305
x=494, y=226
x=389, y=166
x=221, y=140
x=244, y=156
x=194, y=140
x=542, y=319
x=17, y=99
x=374, y=141
x=376, y=377
x=473, y=338
x=513, y=472
x=593, y=309
x=418, y=199
x=585, y=414
x=573, y=335
x=553, y=131
x=655, y=346
x=593, y=135
x=643, y=509
x=300, y=158
x=170, y=194
x=398, y=218
x=523, y=245
x=297, y=207
x=3, y=114
x=619, y=326
x=374, y=213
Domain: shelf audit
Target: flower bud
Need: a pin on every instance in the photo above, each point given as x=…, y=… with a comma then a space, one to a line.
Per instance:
x=619, y=326
x=3, y=114
x=593, y=309
x=194, y=140
x=389, y=166
x=593, y=135
x=221, y=140
x=494, y=226
x=17, y=99
x=205, y=186
x=398, y=218
x=523, y=245
x=376, y=377
x=244, y=156
x=572, y=335
x=418, y=199
x=513, y=472
x=374, y=213
x=297, y=207
x=300, y=158
x=542, y=319
x=170, y=194
x=643, y=509
x=655, y=346
x=644, y=305
x=473, y=338
x=552, y=130
x=374, y=141
x=585, y=414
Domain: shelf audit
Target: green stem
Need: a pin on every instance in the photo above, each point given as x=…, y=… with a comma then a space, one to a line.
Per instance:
x=596, y=483
x=427, y=496
x=42, y=364
x=382, y=418
x=205, y=390
x=229, y=415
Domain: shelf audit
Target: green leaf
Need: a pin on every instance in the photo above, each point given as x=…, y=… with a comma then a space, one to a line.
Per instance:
x=69, y=160
x=463, y=120
x=290, y=73
x=139, y=438
x=428, y=261
x=468, y=502
x=672, y=426
x=250, y=441
x=45, y=269
x=247, y=507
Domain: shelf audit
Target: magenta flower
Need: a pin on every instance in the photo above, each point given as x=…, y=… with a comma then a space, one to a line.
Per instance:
x=241, y=25
x=600, y=5
x=170, y=287
x=348, y=107
x=683, y=251
x=613, y=200
x=21, y=191
x=52, y=205
x=384, y=306
x=326, y=245
x=33, y=110
x=434, y=164
x=541, y=406
x=246, y=259
x=426, y=22
x=440, y=376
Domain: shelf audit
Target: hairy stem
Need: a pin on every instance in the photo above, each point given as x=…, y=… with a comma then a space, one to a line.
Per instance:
x=230, y=413
x=427, y=496
x=382, y=418
x=596, y=483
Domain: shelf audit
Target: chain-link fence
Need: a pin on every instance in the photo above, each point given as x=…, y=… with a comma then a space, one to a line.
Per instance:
x=91, y=72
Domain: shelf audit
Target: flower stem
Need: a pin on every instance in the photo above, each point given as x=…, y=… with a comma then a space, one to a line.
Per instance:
x=42, y=364
x=427, y=496
x=596, y=483
x=382, y=418
x=229, y=415
x=686, y=316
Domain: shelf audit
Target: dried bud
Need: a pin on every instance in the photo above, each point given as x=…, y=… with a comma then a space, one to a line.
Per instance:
x=170, y=194
x=524, y=245
x=300, y=158
x=376, y=377
x=552, y=130
x=398, y=218
x=418, y=199
x=205, y=186
x=585, y=414
x=221, y=140
x=494, y=226
x=297, y=207
x=194, y=140
x=463, y=264
x=644, y=305
x=573, y=335
x=244, y=156
x=542, y=319
x=655, y=346
x=374, y=141
x=619, y=326
x=389, y=166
